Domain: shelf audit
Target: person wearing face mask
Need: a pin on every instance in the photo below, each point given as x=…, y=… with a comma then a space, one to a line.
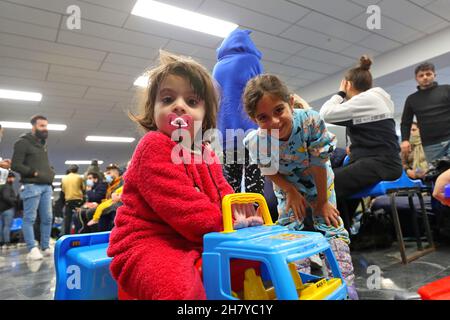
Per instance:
x=30, y=159
x=73, y=187
x=8, y=205
x=112, y=199
x=415, y=162
x=95, y=194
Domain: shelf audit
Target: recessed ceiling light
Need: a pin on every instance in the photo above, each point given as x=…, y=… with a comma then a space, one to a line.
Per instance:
x=81, y=162
x=20, y=95
x=142, y=82
x=109, y=139
x=27, y=125
x=182, y=18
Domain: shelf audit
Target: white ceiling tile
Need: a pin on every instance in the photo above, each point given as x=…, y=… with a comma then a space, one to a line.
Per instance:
x=243, y=17
x=114, y=58
x=391, y=29
x=437, y=27
x=276, y=43
x=366, y=3
x=422, y=3
x=88, y=11
x=180, y=48
x=280, y=9
x=29, y=15
x=357, y=51
x=273, y=55
x=50, y=47
x=88, y=74
x=88, y=81
x=314, y=38
x=74, y=38
x=23, y=73
x=441, y=8
x=121, y=5
x=23, y=64
x=333, y=27
x=48, y=58
x=121, y=69
x=103, y=31
x=325, y=56
x=26, y=29
x=311, y=65
x=379, y=43
x=207, y=53
x=171, y=32
x=340, y=9
x=403, y=11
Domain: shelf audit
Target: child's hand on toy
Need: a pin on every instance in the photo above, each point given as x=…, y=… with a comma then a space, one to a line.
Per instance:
x=245, y=216
x=329, y=213
x=296, y=202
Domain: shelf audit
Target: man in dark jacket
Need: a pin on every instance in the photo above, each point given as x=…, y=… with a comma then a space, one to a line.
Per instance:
x=8, y=204
x=431, y=106
x=30, y=159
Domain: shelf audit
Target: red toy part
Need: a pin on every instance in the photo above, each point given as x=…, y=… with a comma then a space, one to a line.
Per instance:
x=438, y=290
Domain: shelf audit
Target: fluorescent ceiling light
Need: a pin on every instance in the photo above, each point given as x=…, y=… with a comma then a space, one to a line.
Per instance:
x=142, y=82
x=57, y=189
x=56, y=184
x=109, y=139
x=59, y=176
x=182, y=18
x=27, y=125
x=81, y=162
x=20, y=95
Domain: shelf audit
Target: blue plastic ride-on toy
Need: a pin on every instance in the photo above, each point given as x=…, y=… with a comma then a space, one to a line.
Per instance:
x=275, y=249
x=82, y=268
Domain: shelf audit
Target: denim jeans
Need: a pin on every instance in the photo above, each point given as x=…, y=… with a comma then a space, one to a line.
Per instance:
x=6, y=220
x=437, y=151
x=37, y=197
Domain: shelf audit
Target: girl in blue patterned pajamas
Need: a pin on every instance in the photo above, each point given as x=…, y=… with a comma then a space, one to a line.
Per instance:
x=303, y=178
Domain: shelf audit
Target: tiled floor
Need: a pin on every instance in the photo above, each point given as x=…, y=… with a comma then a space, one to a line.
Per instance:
x=20, y=279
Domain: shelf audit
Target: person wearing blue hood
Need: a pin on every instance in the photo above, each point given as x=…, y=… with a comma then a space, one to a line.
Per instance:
x=238, y=61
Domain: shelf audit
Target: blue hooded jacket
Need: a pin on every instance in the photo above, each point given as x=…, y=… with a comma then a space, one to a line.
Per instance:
x=238, y=61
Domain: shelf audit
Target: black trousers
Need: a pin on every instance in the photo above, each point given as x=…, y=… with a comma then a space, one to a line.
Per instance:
x=68, y=213
x=233, y=170
x=360, y=174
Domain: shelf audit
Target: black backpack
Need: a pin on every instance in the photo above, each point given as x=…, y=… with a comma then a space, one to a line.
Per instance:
x=376, y=231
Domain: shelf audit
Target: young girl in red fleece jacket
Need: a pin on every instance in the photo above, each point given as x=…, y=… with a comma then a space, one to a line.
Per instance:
x=169, y=206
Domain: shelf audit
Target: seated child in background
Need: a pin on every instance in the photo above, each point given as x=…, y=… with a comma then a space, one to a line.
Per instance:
x=303, y=181
x=169, y=205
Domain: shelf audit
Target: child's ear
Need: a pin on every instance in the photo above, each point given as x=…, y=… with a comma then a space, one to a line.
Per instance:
x=291, y=102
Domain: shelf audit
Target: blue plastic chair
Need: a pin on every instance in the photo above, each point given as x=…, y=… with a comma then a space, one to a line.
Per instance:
x=403, y=186
x=82, y=268
x=16, y=225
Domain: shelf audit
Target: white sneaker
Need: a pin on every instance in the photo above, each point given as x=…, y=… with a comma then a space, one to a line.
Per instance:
x=35, y=254
x=48, y=252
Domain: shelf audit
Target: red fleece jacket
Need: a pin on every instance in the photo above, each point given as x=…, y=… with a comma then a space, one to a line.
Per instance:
x=159, y=229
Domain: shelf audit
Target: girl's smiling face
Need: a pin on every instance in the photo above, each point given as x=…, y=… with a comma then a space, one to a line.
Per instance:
x=177, y=100
x=273, y=113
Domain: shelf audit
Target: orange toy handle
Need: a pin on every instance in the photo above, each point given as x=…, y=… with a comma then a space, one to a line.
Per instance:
x=243, y=198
